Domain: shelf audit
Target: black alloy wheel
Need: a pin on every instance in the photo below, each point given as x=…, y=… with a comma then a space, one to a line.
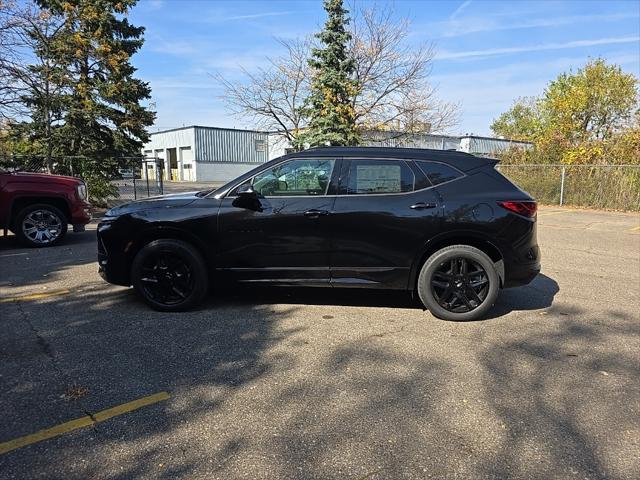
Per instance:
x=170, y=275
x=460, y=285
x=458, y=282
x=167, y=280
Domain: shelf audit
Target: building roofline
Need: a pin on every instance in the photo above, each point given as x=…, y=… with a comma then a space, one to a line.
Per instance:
x=208, y=128
x=494, y=138
x=408, y=134
x=267, y=132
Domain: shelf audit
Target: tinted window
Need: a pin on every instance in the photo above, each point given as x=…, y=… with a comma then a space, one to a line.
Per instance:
x=438, y=172
x=379, y=176
x=295, y=178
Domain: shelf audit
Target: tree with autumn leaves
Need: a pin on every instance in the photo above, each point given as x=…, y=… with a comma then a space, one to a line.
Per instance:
x=590, y=116
x=81, y=95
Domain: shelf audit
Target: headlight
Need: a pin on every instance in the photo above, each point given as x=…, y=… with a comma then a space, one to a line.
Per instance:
x=82, y=191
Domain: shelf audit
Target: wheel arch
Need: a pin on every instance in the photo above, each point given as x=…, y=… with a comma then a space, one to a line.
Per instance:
x=471, y=238
x=20, y=203
x=161, y=232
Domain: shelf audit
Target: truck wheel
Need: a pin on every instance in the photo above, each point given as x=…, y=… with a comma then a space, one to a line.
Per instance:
x=458, y=282
x=40, y=225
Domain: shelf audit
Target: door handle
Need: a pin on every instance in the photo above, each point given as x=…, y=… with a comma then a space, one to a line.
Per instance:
x=422, y=206
x=313, y=213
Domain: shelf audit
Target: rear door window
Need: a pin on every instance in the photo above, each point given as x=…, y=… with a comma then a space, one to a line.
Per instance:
x=366, y=177
x=438, y=172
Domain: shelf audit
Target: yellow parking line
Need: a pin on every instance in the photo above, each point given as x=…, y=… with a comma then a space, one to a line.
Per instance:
x=34, y=296
x=81, y=422
x=635, y=229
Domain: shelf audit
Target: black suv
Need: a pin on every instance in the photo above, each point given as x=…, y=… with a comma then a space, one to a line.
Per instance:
x=443, y=224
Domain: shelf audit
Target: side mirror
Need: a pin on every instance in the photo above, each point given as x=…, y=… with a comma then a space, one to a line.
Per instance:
x=247, y=191
x=248, y=198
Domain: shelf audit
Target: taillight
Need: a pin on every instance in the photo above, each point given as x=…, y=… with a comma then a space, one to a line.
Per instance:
x=527, y=208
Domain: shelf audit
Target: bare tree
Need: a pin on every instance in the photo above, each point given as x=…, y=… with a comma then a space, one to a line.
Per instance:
x=394, y=92
x=31, y=83
x=273, y=97
x=10, y=45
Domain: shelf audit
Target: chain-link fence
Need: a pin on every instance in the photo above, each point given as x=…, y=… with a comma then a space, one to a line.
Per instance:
x=130, y=178
x=597, y=186
x=144, y=178
x=109, y=180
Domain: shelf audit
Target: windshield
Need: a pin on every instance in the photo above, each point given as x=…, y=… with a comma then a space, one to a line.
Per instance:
x=241, y=178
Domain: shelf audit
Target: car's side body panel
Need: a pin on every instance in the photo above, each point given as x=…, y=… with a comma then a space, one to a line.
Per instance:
x=277, y=242
x=360, y=240
x=471, y=209
x=375, y=238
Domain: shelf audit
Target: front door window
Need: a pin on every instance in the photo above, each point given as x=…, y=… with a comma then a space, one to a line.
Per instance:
x=295, y=178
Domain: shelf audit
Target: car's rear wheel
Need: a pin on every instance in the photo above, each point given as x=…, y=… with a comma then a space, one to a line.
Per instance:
x=169, y=275
x=40, y=225
x=458, y=282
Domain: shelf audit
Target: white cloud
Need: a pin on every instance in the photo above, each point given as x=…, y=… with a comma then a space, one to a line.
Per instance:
x=535, y=48
x=172, y=48
x=154, y=4
x=479, y=25
x=460, y=9
x=258, y=15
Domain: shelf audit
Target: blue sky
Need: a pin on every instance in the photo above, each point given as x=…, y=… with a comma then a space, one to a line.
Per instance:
x=488, y=52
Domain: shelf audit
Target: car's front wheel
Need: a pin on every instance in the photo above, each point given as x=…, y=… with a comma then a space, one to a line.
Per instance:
x=458, y=282
x=40, y=225
x=170, y=275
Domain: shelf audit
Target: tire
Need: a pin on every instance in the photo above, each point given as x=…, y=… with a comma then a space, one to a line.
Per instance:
x=170, y=275
x=443, y=284
x=40, y=225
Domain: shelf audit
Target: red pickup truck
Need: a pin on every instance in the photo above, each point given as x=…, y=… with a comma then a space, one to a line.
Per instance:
x=38, y=207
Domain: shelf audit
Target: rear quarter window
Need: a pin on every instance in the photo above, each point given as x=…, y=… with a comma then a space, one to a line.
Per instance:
x=438, y=173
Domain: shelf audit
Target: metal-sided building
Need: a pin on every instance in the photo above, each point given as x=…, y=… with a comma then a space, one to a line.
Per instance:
x=198, y=153
x=206, y=153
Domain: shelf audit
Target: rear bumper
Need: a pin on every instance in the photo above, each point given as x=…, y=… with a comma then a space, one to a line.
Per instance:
x=521, y=274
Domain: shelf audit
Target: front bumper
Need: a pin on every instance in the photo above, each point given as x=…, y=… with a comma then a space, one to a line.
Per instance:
x=112, y=261
x=80, y=214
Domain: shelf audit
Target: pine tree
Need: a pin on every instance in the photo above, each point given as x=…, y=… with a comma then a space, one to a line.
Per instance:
x=104, y=116
x=329, y=107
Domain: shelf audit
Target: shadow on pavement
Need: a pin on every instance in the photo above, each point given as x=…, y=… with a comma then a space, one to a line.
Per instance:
x=259, y=391
x=10, y=242
x=536, y=296
x=23, y=266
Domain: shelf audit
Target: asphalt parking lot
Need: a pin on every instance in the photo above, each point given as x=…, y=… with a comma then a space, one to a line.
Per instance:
x=326, y=384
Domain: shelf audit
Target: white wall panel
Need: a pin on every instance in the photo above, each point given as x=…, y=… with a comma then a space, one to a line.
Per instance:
x=220, y=171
